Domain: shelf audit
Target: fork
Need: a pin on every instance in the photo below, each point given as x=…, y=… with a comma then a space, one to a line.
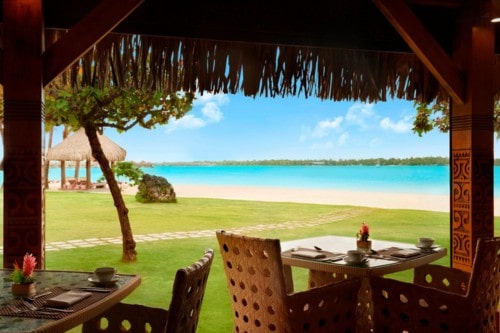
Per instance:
x=33, y=307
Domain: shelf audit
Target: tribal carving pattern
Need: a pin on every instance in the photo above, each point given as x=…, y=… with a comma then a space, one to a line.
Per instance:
x=23, y=193
x=472, y=208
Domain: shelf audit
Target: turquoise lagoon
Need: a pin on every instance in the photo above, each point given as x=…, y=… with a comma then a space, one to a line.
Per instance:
x=402, y=179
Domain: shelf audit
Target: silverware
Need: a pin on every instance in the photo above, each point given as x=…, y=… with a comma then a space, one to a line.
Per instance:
x=96, y=289
x=32, y=307
x=34, y=297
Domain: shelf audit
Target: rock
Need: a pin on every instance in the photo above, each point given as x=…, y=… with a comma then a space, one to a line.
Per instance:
x=155, y=189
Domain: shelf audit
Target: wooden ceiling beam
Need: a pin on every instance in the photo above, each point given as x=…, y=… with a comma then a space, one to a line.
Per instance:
x=102, y=19
x=424, y=45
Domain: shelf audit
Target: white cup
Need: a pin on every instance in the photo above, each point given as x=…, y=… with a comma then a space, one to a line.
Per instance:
x=355, y=256
x=425, y=242
x=105, y=274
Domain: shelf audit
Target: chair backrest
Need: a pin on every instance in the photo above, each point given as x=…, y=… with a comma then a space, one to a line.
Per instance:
x=256, y=282
x=484, y=285
x=402, y=306
x=187, y=295
x=182, y=316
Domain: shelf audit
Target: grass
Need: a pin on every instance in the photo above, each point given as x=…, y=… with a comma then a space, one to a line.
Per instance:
x=80, y=215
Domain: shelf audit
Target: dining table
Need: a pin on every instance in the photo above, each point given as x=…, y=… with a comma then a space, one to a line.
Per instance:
x=326, y=256
x=385, y=257
x=34, y=314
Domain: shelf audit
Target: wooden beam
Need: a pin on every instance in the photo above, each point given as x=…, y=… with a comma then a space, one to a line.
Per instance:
x=87, y=32
x=497, y=74
x=424, y=45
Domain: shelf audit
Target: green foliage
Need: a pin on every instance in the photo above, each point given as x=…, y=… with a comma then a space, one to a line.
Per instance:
x=437, y=116
x=128, y=170
x=115, y=107
x=429, y=160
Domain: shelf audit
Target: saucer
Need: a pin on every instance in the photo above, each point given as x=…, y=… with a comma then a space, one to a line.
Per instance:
x=362, y=262
x=427, y=248
x=98, y=283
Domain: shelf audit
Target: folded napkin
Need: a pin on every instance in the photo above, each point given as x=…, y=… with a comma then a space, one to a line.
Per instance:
x=310, y=254
x=406, y=253
x=68, y=298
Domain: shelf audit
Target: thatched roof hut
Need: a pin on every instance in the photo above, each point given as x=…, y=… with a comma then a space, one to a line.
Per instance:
x=77, y=148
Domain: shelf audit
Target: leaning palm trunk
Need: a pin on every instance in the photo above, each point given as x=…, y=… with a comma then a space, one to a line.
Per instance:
x=129, y=253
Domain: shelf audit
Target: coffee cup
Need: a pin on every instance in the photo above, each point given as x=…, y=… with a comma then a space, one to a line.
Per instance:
x=105, y=274
x=425, y=242
x=355, y=256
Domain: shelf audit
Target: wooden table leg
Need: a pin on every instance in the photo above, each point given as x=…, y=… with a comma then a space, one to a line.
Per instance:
x=287, y=272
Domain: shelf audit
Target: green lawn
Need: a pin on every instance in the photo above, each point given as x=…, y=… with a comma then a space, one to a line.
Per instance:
x=80, y=215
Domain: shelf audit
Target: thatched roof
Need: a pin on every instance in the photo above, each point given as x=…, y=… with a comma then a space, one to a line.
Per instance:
x=76, y=147
x=264, y=70
x=334, y=50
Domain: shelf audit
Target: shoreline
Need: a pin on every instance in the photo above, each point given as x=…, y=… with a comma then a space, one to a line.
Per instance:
x=387, y=200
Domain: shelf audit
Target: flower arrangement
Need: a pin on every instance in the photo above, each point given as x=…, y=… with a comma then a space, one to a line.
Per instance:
x=364, y=232
x=24, y=274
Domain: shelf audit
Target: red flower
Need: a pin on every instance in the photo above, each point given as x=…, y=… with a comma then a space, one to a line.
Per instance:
x=24, y=275
x=29, y=263
x=364, y=232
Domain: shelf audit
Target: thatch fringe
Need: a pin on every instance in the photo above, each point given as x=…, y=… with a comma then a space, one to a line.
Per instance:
x=171, y=64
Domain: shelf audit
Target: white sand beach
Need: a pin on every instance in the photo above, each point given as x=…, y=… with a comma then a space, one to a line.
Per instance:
x=318, y=196
x=438, y=203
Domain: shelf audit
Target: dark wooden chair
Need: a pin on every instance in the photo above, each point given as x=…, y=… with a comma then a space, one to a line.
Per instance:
x=256, y=284
x=442, y=299
x=181, y=317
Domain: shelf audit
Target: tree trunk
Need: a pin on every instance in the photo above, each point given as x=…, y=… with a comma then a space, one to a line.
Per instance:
x=47, y=162
x=129, y=253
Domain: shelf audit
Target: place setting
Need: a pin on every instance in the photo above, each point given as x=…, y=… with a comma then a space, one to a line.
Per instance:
x=426, y=245
x=356, y=257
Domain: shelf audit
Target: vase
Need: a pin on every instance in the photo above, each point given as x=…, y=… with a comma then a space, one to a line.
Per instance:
x=365, y=246
x=23, y=289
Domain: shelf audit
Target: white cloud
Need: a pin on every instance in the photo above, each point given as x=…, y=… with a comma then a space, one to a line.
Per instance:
x=187, y=122
x=324, y=127
x=209, y=106
x=343, y=139
x=211, y=111
x=360, y=114
x=402, y=126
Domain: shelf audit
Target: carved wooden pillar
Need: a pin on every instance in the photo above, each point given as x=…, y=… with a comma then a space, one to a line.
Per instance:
x=23, y=94
x=472, y=138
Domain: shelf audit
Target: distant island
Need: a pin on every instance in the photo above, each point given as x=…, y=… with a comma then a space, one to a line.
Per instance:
x=410, y=161
x=340, y=162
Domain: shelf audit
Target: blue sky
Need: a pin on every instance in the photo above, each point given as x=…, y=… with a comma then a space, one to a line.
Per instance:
x=234, y=127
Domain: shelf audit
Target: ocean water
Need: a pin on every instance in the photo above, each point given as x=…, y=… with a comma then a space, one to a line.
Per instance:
x=404, y=179
x=399, y=179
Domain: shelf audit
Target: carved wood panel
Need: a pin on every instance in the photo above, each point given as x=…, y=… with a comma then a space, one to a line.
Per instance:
x=472, y=202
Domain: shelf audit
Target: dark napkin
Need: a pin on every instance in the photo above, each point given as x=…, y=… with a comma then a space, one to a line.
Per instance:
x=6, y=310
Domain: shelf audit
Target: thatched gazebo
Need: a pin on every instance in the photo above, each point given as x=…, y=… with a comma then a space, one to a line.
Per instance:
x=77, y=148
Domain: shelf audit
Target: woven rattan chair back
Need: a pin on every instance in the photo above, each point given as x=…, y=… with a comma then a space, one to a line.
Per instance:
x=449, y=304
x=182, y=316
x=187, y=296
x=259, y=300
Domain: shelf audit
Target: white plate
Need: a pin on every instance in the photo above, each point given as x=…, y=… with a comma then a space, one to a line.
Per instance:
x=362, y=262
x=96, y=282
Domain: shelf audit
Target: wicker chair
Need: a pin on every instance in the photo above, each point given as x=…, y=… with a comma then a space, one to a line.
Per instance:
x=260, y=303
x=442, y=299
x=181, y=317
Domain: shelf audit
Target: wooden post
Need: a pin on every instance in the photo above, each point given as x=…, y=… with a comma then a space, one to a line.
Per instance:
x=472, y=137
x=23, y=158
